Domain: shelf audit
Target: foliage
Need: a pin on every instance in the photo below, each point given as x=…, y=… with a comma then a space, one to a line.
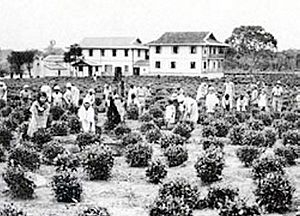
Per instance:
x=133, y=112
x=2, y=154
x=86, y=139
x=282, y=126
x=56, y=112
x=73, y=54
x=138, y=155
x=239, y=208
x=131, y=139
x=156, y=171
x=156, y=112
x=146, y=117
x=275, y=193
x=41, y=137
x=11, y=210
x=289, y=153
x=270, y=137
x=291, y=137
x=183, y=129
x=147, y=126
x=170, y=139
x=67, y=161
x=218, y=196
x=222, y=128
x=211, y=141
x=51, y=151
x=236, y=134
x=210, y=164
x=20, y=185
x=60, y=128
x=253, y=138
x=67, y=187
x=94, y=211
x=266, y=118
x=255, y=124
x=291, y=116
x=153, y=136
x=209, y=131
x=98, y=162
x=5, y=136
x=121, y=130
x=176, y=155
x=74, y=124
x=247, y=154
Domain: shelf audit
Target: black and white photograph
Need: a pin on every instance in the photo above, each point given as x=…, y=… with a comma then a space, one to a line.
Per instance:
x=149, y=107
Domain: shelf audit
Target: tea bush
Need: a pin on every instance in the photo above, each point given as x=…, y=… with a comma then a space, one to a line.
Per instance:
x=291, y=137
x=147, y=126
x=67, y=187
x=94, y=211
x=222, y=128
x=74, y=124
x=247, y=154
x=156, y=112
x=167, y=140
x=183, y=129
x=274, y=193
x=11, y=210
x=51, y=151
x=131, y=138
x=211, y=141
x=60, y=128
x=253, y=138
x=209, y=131
x=121, y=130
x=291, y=116
x=239, y=208
x=156, y=171
x=56, y=112
x=138, y=155
x=266, y=118
x=236, y=134
x=25, y=157
x=41, y=137
x=19, y=184
x=282, y=126
x=67, y=161
x=255, y=124
x=153, y=136
x=176, y=155
x=270, y=137
x=261, y=167
x=146, y=117
x=210, y=164
x=86, y=139
x=288, y=153
x=133, y=112
x=98, y=162
x=2, y=154
x=5, y=137
x=218, y=196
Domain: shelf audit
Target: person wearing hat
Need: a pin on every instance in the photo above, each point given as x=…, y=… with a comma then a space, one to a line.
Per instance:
x=86, y=114
x=227, y=103
x=68, y=97
x=263, y=100
x=190, y=110
x=211, y=101
x=297, y=99
x=132, y=91
x=25, y=95
x=202, y=91
x=170, y=112
x=75, y=95
x=57, y=96
x=120, y=104
x=242, y=103
x=90, y=96
x=229, y=88
x=277, y=93
x=254, y=96
x=47, y=89
x=40, y=111
x=107, y=94
x=3, y=91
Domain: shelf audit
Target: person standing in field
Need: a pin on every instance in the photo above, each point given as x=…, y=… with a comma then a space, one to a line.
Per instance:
x=190, y=110
x=132, y=91
x=120, y=104
x=211, y=101
x=121, y=88
x=57, y=96
x=254, y=96
x=48, y=90
x=68, y=95
x=107, y=93
x=170, y=113
x=75, y=95
x=86, y=116
x=229, y=89
x=227, y=103
x=25, y=95
x=242, y=103
x=113, y=116
x=39, y=114
x=277, y=93
x=298, y=99
x=263, y=100
x=141, y=97
x=3, y=91
x=202, y=91
x=90, y=96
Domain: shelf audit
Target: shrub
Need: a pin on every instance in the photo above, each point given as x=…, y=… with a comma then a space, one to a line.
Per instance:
x=5, y=136
x=6, y=111
x=170, y=206
x=239, y=208
x=176, y=155
x=167, y=140
x=74, y=124
x=60, y=129
x=282, y=126
x=56, y=112
x=231, y=119
x=183, y=129
x=242, y=117
x=211, y=141
x=98, y=162
x=266, y=118
x=255, y=124
x=218, y=196
x=131, y=138
x=2, y=154
x=94, y=211
x=291, y=116
x=51, y=151
x=153, y=136
x=270, y=137
x=11, y=210
x=156, y=112
x=291, y=137
x=138, y=155
x=261, y=167
x=41, y=137
x=236, y=135
x=146, y=117
x=133, y=112
x=85, y=139
x=147, y=126
x=222, y=128
x=121, y=130
x=247, y=154
x=2, y=103
x=156, y=171
x=288, y=153
x=274, y=193
x=25, y=157
x=253, y=138
x=208, y=131
x=67, y=187
x=20, y=186
x=181, y=189
x=66, y=161
x=210, y=165
x=159, y=122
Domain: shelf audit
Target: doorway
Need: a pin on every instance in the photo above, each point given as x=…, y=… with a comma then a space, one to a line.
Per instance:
x=90, y=71
x=118, y=73
x=136, y=71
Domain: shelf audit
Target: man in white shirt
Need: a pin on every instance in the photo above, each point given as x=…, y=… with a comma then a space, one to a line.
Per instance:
x=277, y=93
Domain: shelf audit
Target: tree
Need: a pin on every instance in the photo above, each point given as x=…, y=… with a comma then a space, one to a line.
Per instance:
x=250, y=45
x=16, y=61
x=73, y=54
x=28, y=57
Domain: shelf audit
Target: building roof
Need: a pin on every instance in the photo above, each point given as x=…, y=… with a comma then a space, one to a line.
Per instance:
x=86, y=62
x=186, y=38
x=141, y=63
x=54, y=66
x=111, y=42
x=54, y=58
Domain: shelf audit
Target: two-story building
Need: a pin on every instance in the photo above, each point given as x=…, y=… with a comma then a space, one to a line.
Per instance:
x=109, y=56
x=187, y=54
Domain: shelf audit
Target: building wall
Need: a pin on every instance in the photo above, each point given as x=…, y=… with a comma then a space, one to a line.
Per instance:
x=120, y=60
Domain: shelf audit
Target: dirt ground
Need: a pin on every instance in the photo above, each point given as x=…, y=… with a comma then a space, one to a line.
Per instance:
x=128, y=193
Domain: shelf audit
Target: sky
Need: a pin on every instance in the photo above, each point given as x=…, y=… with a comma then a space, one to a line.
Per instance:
x=28, y=24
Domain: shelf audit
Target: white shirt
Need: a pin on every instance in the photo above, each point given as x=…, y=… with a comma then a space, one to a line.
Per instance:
x=277, y=92
x=211, y=102
x=47, y=89
x=202, y=91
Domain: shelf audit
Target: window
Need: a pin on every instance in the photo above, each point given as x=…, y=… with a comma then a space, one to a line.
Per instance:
x=219, y=64
x=214, y=65
x=175, y=49
x=204, y=65
x=114, y=52
x=90, y=52
x=214, y=51
x=193, y=65
x=193, y=49
x=157, y=49
x=126, y=68
x=173, y=65
x=204, y=51
x=102, y=52
x=96, y=68
x=108, y=68
x=221, y=50
x=157, y=64
x=80, y=68
x=139, y=53
x=126, y=52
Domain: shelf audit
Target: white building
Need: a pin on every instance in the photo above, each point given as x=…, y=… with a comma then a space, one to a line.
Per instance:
x=187, y=54
x=109, y=56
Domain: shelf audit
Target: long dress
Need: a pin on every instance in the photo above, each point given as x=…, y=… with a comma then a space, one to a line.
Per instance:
x=121, y=108
x=75, y=96
x=47, y=89
x=39, y=117
x=87, y=119
x=68, y=98
x=202, y=91
x=241, y=104
x=170, y=114
x=3, y=93
x=113, y=115
x=90, y=98
x=211, y=102
x=191, y=110
x=263, y=102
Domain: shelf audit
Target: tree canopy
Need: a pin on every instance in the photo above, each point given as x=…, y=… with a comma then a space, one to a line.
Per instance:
x=73, y=54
